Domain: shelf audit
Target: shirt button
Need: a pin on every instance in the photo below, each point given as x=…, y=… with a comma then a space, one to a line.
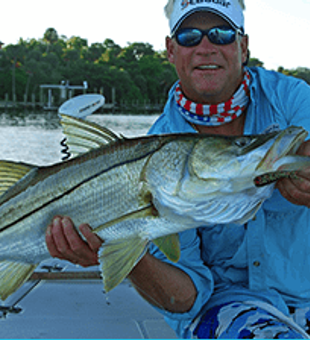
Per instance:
x=256, y=264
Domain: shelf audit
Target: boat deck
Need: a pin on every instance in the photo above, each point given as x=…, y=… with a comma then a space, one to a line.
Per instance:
x=76, y=307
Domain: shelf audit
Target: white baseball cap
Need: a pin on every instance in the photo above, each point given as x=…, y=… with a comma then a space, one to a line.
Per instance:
x=229, y=10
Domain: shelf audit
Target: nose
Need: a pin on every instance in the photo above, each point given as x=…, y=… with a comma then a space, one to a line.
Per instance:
x=206, y=46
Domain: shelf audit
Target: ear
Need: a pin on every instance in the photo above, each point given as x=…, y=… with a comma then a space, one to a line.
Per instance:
x=244, y=48
x=170, y=49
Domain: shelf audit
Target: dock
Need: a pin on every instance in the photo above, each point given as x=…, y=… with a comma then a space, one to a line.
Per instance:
x=65, y=91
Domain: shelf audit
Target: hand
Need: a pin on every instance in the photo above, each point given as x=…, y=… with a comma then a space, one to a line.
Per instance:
x=64, y=242
x=297, y=191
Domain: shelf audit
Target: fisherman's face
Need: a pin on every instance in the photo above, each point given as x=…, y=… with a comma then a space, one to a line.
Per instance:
x=208, y=86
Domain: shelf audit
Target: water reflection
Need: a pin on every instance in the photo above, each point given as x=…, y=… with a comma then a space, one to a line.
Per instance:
x=34, y=137
x=46, y=120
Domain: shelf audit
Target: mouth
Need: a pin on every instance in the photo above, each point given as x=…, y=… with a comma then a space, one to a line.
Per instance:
x=208, y=67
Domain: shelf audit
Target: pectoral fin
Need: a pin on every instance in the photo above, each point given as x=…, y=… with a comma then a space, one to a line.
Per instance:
x=170, y=246
x=12, y=276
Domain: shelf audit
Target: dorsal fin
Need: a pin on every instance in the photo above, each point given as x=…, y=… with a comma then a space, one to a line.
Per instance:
x=83, y=136
x=11, y=173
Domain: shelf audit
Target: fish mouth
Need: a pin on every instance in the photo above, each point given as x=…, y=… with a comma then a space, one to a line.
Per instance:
x=298, y=140
x=285, y=143
x=288, y=141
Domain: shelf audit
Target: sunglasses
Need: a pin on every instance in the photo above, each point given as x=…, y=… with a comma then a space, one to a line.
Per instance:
x=222, y=35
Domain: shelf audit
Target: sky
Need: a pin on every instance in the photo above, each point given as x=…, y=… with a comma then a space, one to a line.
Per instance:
x=278, y=29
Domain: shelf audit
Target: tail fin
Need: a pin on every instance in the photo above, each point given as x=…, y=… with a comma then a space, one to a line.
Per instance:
x=12, y=276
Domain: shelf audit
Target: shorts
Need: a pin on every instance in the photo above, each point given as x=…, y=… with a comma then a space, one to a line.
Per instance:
x=251, y=320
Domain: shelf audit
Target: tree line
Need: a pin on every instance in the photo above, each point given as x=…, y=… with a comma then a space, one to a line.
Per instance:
x=137, y=72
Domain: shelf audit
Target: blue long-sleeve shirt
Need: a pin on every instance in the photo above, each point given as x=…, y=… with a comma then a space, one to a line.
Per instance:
x=268, y=259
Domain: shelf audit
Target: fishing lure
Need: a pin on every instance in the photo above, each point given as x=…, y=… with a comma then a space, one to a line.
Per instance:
x=271, y=177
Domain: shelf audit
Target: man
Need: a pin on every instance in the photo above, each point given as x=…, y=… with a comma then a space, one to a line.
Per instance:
x=231, y=281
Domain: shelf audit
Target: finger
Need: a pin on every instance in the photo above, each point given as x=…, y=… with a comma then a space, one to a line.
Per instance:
x=60, y=239
x=80, y=251
x=283, y=187
x=64, y=242
x=51, y=246
x=72, y=237
x=303, y=181
x=304, y=149
x=93, y=240
x=292, y=190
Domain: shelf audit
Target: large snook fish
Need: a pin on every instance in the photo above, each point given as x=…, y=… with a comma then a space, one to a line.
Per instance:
x=133, y=191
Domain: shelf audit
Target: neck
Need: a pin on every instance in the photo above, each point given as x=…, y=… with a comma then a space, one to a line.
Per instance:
x=233, y=128
x=223, y=114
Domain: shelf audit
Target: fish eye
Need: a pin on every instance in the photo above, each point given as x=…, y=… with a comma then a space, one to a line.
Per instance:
x=242, y=142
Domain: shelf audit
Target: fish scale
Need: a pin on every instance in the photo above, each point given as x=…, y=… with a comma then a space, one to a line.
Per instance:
x=134, y=191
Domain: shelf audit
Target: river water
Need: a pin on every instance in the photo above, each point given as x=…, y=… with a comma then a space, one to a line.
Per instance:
x=34, y=137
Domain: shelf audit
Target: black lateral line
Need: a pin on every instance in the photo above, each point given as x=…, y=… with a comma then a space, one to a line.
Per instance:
x=76, y=187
